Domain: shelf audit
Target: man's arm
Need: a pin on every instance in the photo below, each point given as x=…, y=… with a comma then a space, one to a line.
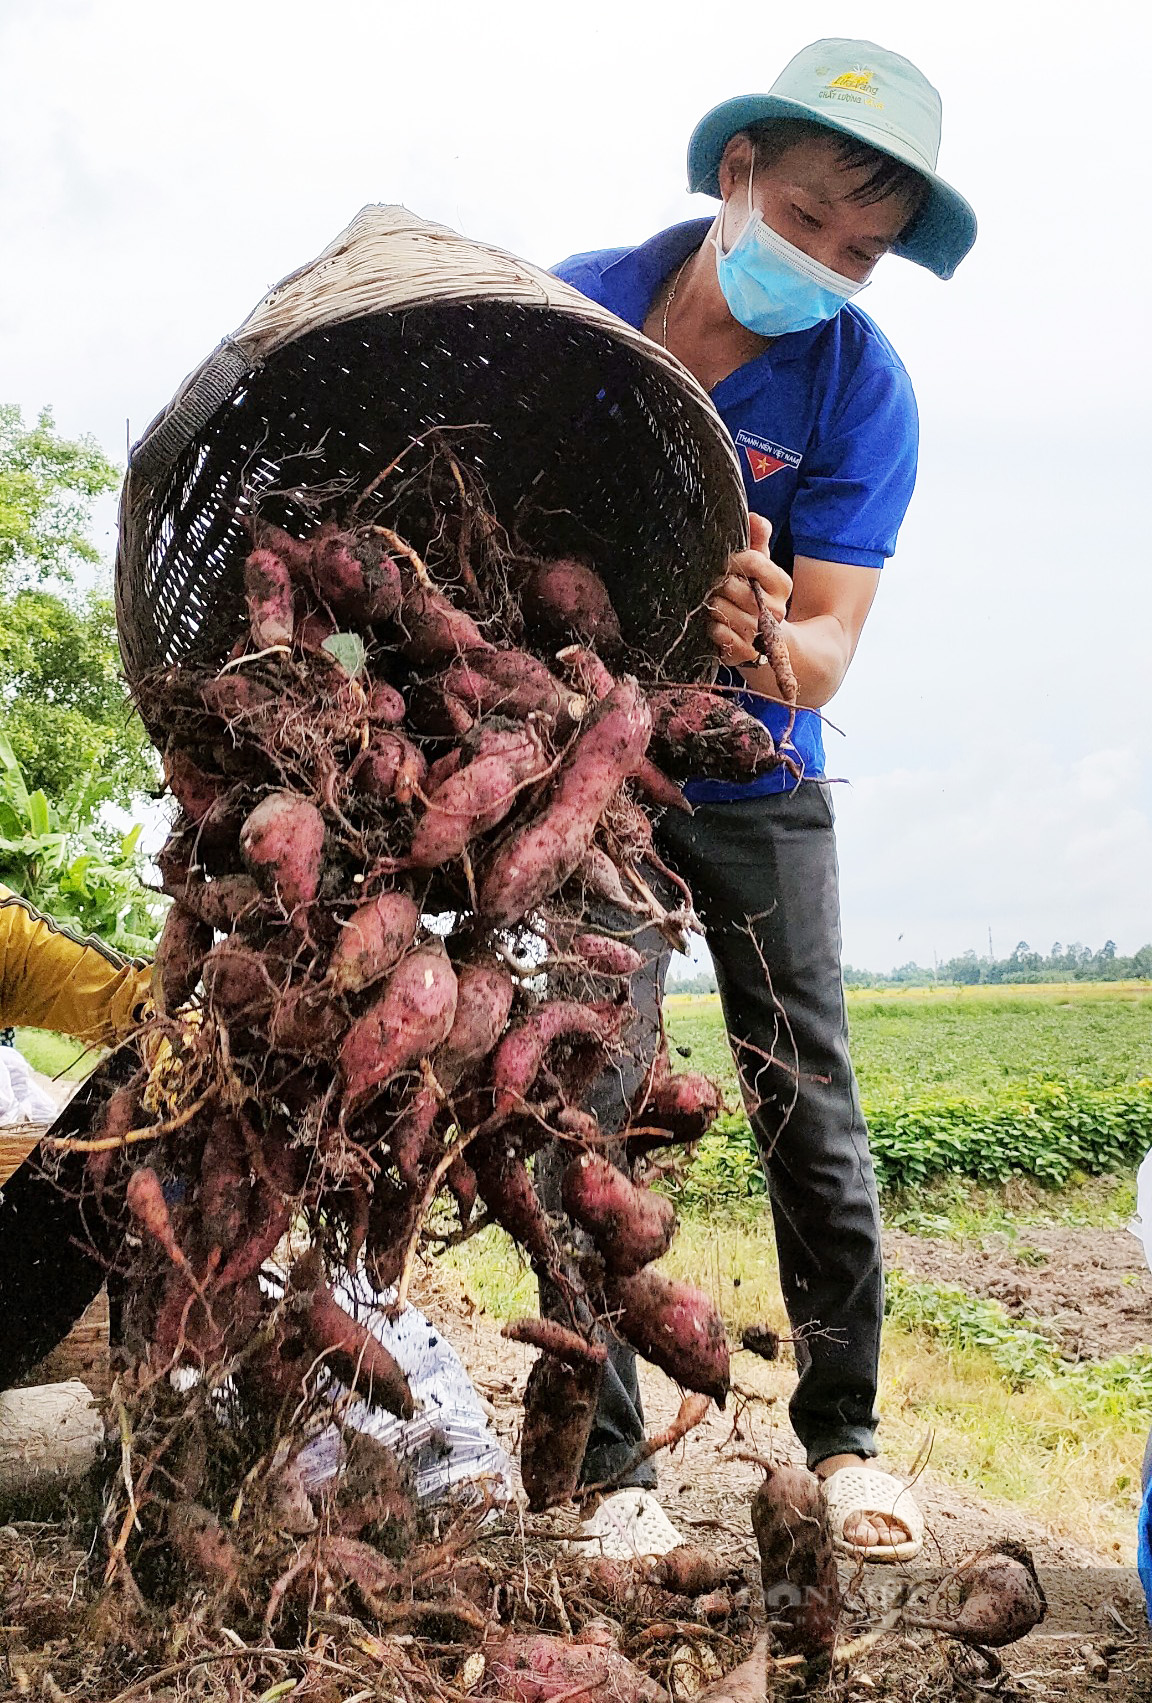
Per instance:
x=821, y=609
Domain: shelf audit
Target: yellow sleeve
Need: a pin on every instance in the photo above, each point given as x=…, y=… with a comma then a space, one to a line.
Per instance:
x=51, y=978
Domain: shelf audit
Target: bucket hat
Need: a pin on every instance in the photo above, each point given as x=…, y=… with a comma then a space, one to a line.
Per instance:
x=863, y=91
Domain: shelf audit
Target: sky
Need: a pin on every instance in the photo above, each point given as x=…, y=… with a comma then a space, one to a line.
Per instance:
x=161, y=165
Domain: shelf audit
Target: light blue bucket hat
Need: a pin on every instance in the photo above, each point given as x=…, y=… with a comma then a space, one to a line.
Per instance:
x=863, y=91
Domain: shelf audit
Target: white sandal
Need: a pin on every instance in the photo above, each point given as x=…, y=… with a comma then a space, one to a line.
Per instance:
x=856, y=1490
x=627, y=1526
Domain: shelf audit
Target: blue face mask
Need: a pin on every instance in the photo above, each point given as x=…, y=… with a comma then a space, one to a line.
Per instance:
x=772, y=287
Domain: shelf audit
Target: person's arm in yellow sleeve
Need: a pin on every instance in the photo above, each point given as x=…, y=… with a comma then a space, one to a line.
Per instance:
x=51, y=978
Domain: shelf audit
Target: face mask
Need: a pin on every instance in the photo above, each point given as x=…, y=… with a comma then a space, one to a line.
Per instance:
x=771, y=287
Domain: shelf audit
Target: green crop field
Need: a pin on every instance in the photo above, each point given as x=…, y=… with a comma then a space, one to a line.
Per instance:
x=966, y=1041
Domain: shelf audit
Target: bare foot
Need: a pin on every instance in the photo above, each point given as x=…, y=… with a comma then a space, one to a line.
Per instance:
x=866, y=1530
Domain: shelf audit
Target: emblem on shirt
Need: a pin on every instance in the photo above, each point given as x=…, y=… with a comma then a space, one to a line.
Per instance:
x=764, y=456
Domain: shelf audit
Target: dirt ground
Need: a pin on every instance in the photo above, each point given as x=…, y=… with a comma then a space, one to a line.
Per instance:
x=1090, y=1290
x=1096, y=1617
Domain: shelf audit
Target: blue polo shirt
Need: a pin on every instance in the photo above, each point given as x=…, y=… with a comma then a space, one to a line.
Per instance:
x=824, y=423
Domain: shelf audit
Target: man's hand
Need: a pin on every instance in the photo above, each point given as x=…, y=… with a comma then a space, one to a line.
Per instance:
x=733, y=604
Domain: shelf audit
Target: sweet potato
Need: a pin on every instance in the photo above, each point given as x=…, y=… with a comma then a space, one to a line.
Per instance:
x=541, y=855
x=385, y=705
x=238, y=984
x=600, y=876
x=690, y=1570
x=484, y=995
x=685, y=1105
x=412, y=1135
x=556, y=1339
x=695, y=732
x=476, y=798
x=238, y=698
x=196, y=791
x=433, y=630
x=745, y=1683
x=559, y=1406
x=374, y=938
x=312, y=630
x=407, y=1022
x=535, y=1667
x=797, y=1563
x=146, y=1203
x=630, y=1226
x=460, y=1179
x=1000, y=1598
x=357, y=581
x=184, y=944
x=282, y=843
x=565, y=601
x=512, y=683
x=443, y=769
x=295, y=553
x=224, y=1188
x=358, y=1357
x=522, y=1051
x=597, y=682
x=607, y=957
x=268, y=589
x=390, y=766
x=221, y=903
x=204, y=1547
x=674, y=1326
x=307, y=1022
x=506, y=1188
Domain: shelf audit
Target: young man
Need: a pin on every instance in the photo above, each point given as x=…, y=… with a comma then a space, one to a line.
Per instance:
x=819, y=179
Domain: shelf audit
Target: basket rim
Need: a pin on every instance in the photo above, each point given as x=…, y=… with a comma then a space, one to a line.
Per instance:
x=443, y=267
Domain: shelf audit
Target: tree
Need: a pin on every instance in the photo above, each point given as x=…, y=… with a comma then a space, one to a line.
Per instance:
x=47, y=487
x=63, y=704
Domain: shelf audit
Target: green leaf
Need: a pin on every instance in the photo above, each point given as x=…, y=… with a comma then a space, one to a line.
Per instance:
x=348, y=650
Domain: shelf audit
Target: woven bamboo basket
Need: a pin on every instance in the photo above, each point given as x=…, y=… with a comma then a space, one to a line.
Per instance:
x=589, y=439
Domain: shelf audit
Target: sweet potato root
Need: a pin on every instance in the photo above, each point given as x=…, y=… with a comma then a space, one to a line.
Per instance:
x=521, y=1053
x=282, y=842
x=534, y=1668
x=357, y=581
x=410, y=1019
x=373, y=939
x=676, y=1327
x=685, y=1106
x=543, y=854
x=237, y=982
x=196, y=791
x=146, y=1203
x=506, y=1188
x=433, y=630
x=184, y=944
x=695, y=732
x=690, y=1570
x=355, y=1354
x=559, y=1406
x=476, y=797
x=389, y=767
x=567, y=602
x=556, y=1339
x=512, y=683
x=607, y=957
x=484, y=995
x=630, y=1226
x=268, y=589
x=1000, y=1598
x=797, y=1563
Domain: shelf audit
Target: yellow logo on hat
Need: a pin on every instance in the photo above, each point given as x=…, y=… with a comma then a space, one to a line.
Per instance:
x=855, y=86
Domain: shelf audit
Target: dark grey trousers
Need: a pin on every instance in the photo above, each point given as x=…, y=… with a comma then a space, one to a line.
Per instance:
x=764, y=875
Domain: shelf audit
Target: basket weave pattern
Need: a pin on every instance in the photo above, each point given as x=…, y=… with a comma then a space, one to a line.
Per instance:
x=589, y=439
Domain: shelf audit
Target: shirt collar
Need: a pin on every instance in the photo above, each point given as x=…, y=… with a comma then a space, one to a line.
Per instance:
x=631, y=282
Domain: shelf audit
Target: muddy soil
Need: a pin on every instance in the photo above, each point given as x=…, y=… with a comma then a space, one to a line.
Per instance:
x=1090, y=1290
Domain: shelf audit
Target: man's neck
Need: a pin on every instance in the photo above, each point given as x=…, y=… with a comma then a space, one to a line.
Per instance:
x=701, y=331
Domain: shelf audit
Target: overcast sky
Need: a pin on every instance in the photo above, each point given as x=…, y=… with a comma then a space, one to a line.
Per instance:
x=162, y=164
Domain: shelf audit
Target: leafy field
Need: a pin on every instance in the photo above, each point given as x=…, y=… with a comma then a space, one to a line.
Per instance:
x=966, y=1042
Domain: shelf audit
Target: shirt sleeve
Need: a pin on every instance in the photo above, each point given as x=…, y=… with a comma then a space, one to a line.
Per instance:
x=857, y=480
x=53, y=979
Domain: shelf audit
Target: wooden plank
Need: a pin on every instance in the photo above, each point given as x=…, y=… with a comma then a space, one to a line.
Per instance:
x=82, y=1355
x=16, y=1143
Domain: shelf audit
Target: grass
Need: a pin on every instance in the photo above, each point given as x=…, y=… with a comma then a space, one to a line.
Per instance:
x=965, y=1041
x=1009, y=1423
x=57, y=1055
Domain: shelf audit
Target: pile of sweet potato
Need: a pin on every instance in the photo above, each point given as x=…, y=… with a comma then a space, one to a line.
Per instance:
x=410, y=865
